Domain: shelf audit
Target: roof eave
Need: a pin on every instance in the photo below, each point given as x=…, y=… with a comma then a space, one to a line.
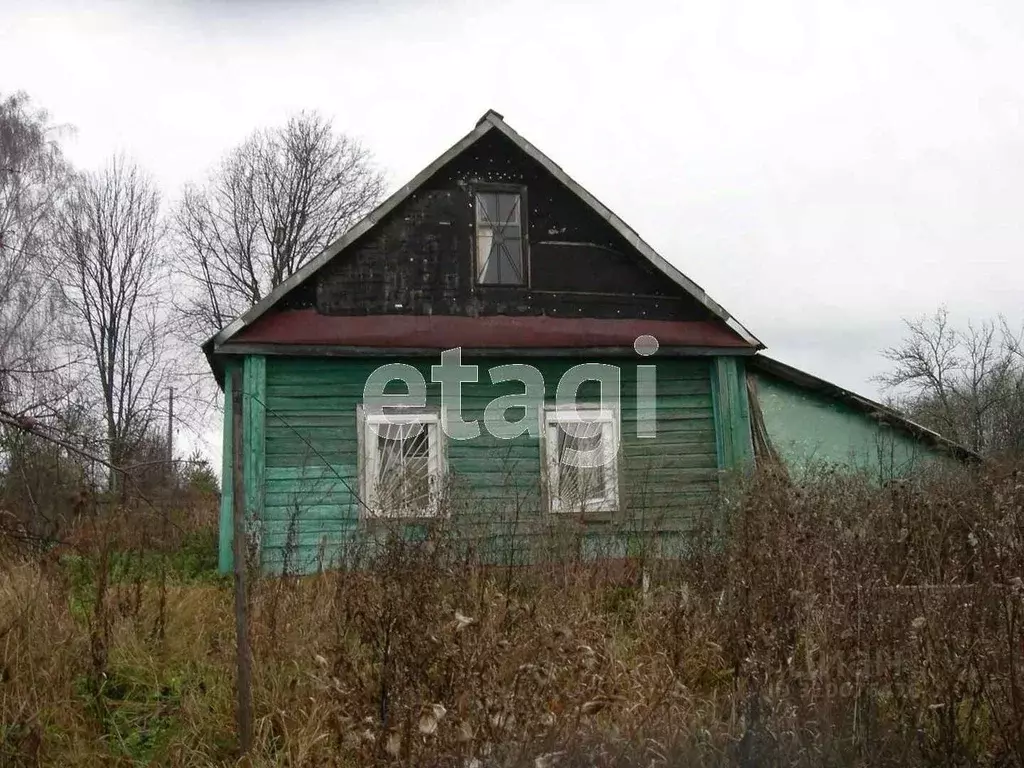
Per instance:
x=628, y=233
x=353, y=234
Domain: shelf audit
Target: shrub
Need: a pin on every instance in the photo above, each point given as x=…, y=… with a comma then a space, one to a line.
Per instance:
x=838, y=623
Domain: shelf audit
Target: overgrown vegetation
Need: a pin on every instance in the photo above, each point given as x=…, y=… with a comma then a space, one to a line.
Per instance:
x=841, y=624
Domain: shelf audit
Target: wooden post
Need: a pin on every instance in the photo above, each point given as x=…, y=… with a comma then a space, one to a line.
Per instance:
x=244, y=657
x=170, y=431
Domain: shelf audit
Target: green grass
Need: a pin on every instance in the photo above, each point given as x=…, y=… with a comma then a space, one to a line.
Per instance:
x=194, y=562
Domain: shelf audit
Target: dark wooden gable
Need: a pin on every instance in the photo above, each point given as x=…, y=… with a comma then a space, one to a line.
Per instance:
x=419, y=260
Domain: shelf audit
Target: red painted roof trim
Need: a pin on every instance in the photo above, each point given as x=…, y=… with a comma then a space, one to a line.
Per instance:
x=307, y=327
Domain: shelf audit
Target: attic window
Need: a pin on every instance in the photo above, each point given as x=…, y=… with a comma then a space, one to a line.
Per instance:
x=500, y=245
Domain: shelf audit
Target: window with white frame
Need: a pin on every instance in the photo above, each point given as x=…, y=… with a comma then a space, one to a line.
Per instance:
x=500, y=246
x=581, y=458
x=402, y=463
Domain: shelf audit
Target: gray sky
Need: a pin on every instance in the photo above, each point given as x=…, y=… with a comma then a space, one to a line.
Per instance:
x=821, y=168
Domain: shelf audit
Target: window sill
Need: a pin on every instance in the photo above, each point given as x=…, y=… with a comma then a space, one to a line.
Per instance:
x=410, y=517
x=592, y=515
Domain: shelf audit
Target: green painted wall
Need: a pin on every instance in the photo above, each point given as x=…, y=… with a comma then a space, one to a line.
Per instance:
x=732, y=412
x=227, y=494
x=302, y=478
x=812, y=431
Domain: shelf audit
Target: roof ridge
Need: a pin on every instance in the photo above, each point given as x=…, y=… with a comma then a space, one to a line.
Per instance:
x=490, y=116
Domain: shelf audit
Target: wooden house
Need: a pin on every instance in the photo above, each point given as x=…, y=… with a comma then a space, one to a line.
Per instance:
x=494, y=267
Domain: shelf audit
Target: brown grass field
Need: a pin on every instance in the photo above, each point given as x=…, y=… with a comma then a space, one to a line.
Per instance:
x=839, y=624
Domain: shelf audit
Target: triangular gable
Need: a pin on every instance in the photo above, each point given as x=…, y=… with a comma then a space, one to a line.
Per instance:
x=492, y=121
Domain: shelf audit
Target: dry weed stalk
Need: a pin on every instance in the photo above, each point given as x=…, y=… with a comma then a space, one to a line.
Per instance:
x=837, y=623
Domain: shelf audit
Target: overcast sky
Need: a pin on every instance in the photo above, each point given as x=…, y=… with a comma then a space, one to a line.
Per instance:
x=822, y=168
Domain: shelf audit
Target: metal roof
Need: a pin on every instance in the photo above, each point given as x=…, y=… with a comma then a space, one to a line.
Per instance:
x=491, y=121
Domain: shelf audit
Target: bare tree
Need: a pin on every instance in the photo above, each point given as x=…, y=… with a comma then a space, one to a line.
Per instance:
x=966, y=383
x=32, y=174
x=274, y=203
x=111, y=268
x=1009, y=425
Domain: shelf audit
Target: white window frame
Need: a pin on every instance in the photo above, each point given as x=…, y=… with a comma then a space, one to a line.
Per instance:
x=608, y=417
x=370, y=459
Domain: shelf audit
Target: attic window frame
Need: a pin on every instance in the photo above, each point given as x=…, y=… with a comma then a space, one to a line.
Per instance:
x=524, y=240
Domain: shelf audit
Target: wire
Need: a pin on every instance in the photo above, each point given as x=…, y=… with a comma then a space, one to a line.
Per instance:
x=312, y=448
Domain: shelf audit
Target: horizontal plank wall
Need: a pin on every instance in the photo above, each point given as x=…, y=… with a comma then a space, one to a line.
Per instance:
x=419, y=259
x=311, y=511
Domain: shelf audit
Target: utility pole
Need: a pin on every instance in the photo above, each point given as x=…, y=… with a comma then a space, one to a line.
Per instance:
x=168, y=496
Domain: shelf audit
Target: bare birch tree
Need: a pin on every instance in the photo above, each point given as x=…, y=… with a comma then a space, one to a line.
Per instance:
x=273, y=203
x=32, y=174
x=38, y=386
x=111, y=268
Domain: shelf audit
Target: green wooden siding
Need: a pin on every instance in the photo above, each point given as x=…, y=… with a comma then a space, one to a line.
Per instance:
x=227, y=495
x=254, y=458
x=732, y=413
x=302, y=467
x=811, y=431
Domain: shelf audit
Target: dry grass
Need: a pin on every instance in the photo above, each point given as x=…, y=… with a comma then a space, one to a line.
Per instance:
x=840, y=624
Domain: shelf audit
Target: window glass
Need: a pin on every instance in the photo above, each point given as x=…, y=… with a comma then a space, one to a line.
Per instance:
x=403, y=477
x=579, y=480
x=508, y=210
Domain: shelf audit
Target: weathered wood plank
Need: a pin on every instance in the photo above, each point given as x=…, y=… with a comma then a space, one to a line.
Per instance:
x=329, y=386
x=309, y=435
x=254, y=416
x=227, y=495
x=239, y=511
